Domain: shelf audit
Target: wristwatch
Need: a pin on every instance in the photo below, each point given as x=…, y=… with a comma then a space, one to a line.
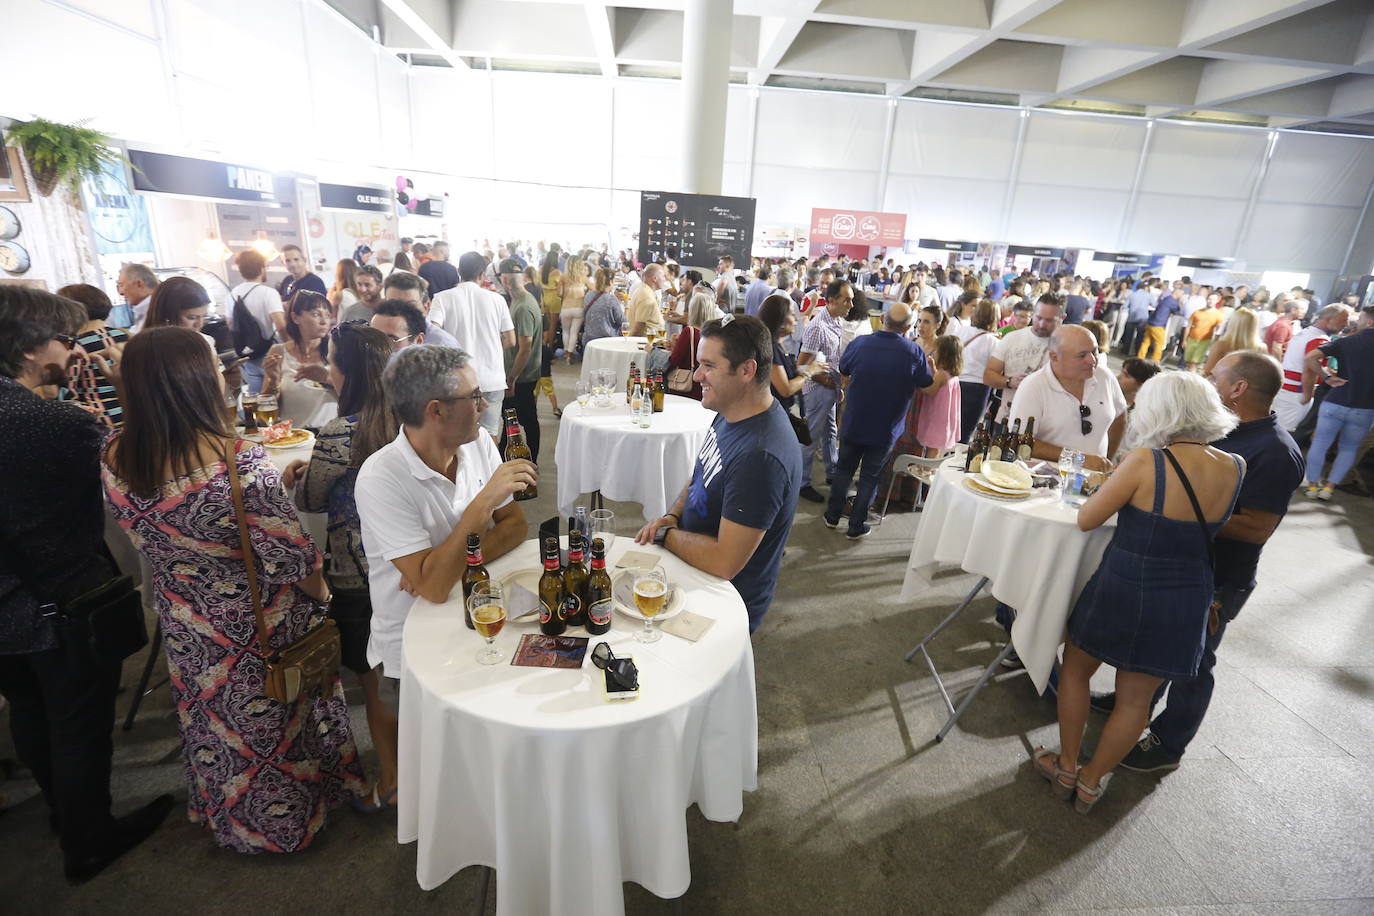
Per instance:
x=661, y=535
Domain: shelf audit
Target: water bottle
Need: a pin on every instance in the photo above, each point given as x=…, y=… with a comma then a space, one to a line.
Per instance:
x=1072, y=477
x=582, y=525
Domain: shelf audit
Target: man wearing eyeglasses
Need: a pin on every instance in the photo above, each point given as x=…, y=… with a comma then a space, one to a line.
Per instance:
x=422, y=494
x=1076, y=402
x=408, y=288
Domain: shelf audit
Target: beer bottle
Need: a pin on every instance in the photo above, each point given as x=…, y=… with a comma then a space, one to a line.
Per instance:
x=658, y=392
x=631, y=380
x=999, y=444
x=598, y=592
x=474, y=573
x=975, y=448
x=575, y=584
x=551, y=622
x=516, y=447
x=1013, y=441
x=1027, y=444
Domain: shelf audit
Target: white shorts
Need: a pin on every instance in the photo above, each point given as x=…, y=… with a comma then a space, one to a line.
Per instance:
x=1288, y=409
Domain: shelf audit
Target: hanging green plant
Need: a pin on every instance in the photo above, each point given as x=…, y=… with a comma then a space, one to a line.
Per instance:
x=61, y=153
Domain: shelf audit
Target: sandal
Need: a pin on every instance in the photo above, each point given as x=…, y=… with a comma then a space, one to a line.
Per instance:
x=373, y=803
x=558, y=413
x=1086, y=798
x=1062, y=782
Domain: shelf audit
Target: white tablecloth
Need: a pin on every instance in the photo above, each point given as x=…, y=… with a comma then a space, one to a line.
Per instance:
x=316, y=524
x=614, y=353
x=566, y=795
x=598, y=449
x=1034, y=556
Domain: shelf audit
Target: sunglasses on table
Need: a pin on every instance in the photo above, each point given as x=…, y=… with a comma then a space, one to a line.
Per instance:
x=622, y=671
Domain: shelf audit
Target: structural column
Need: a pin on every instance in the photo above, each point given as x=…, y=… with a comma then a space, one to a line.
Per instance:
x=706, y=37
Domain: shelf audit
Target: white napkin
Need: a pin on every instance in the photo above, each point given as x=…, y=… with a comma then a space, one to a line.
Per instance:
x=520, y=602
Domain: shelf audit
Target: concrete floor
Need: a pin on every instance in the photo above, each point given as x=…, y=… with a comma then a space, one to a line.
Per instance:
x=858, y=810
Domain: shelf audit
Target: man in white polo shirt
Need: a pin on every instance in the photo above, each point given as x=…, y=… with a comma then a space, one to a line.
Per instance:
x=421, y=495
x=481, y=323
x=1076, y=403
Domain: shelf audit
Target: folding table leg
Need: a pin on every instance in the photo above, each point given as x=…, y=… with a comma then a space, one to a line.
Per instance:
x=143, y=689
x=948, y=620
x=977, y=688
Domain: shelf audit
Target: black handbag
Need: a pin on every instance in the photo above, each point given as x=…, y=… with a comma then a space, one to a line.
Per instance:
x=105, y=624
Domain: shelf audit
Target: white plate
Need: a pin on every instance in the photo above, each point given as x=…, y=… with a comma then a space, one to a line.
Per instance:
x=623, y=596
x=984, y=482
x=290, y=445
x=527, y=579
x=969, y=484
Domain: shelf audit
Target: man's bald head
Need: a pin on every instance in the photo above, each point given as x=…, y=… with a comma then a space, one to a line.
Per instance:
x=1073, y=353
x=898, y=317
x=1248, y=376
x=1069, y=337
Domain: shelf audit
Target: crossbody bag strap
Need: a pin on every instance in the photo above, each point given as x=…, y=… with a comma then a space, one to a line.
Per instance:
x=249, y=563
x=1197, y=509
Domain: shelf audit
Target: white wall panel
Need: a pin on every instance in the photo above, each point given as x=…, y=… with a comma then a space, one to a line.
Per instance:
x=1298, y=237
x=958, y=141
x=786, y=195
x=343, y=87
x=1208, y=162
x=1079, y=151
x=647, y=158
x=1319, y=170
x=945, y=208
x=1073, y=217
x=530, y=147
x=53, y=79
x=451, y=121
x=821, y=131
x=394, y=108
x=1180, y=224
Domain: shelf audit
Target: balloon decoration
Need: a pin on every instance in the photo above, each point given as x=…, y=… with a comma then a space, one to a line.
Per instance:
x=406, y=198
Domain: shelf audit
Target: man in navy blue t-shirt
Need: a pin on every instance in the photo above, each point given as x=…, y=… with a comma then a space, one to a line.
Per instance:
x=880, y=371
x=733, y=518
x=1247, y=382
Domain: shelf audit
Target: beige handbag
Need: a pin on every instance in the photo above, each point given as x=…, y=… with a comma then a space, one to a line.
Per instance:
x=309, y=664
x=680, y=380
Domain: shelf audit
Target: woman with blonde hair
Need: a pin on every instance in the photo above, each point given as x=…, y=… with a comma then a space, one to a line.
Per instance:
x=604, y=315
x=1146, y=610
x=1242, y=333
x=572, y=290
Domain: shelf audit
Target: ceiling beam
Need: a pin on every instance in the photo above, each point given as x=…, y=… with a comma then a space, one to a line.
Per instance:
x=601, y=22
x=1207, y=21
x=418, y=24
x=776, y=34
x=1223, y=81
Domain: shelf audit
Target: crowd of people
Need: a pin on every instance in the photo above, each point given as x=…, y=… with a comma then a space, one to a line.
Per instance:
x=405, y=367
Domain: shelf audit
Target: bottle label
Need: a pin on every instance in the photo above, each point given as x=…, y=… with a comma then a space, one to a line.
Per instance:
x=546, y=613
x=599, y=612
x=551, y=562
x=572, y=605
x=1024, y=452
x=475, y=559
x=512, y=430
x=574, y=556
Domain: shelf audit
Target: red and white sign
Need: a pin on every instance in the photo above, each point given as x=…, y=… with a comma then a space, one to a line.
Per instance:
x=858, y=227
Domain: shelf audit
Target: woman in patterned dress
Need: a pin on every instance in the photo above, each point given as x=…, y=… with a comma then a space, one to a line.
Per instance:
x=262, y=775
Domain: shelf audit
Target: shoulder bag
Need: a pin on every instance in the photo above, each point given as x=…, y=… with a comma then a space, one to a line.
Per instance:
x=104, y=625
x=1213, y=616
x=680, y=380
x=310, y=663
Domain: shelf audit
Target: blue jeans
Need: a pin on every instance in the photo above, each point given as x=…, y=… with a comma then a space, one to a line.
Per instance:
x=1345, y=427
x=820, y=420
x=253, y=375
x=1176, y=726
x=869, y=460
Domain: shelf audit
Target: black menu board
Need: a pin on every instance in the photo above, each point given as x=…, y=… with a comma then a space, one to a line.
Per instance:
x=695, y=230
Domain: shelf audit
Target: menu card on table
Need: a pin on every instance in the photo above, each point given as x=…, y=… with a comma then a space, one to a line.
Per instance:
x=539, y=651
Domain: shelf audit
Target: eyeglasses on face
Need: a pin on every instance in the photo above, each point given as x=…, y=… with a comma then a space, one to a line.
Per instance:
x=66, y=340
x=475, y=396
x=1083, y=413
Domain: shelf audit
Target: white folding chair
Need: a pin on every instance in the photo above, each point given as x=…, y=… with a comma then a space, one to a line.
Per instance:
x=922, y=470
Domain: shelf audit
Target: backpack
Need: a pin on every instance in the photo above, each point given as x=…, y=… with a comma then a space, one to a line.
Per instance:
x=249, y=340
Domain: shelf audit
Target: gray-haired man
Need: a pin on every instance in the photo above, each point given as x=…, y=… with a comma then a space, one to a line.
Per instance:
x=420, y=496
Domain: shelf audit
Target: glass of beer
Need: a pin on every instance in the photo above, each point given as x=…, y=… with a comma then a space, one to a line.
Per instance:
x=651, y=597
x=249, y=403
x=487, y=605
x=266, y=410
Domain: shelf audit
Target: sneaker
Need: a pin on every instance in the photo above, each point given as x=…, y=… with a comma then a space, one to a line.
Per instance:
x=1149, y=756
x=1324, y=494
x=863, y=532
x=1103, y=702
x=1311, y=491
x=1013, y=661
x=808, y=492
x=830, y=523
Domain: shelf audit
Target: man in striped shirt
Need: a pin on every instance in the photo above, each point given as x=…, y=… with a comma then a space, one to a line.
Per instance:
x=1288, y=402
